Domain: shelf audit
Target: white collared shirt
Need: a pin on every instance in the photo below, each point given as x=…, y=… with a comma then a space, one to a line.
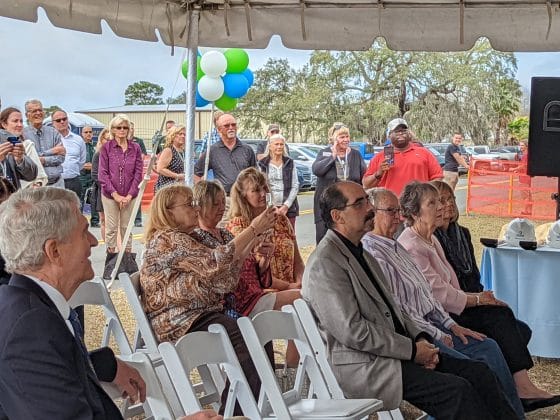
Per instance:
x=57, y=298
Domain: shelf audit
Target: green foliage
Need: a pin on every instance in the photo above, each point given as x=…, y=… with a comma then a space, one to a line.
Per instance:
x=143, y=93
x=473, y=91
x=179, y=99
x=519, y=128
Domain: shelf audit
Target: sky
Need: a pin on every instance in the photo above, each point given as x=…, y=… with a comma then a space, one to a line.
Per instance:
x=79, y=71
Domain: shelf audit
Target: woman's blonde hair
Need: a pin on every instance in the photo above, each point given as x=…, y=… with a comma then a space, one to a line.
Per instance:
x=240, y=207
x=268, y=152
x=336, y=129
x=103, y=133
x=160, y=217
x=206, y=193
x=172, y=133
x=118, y=119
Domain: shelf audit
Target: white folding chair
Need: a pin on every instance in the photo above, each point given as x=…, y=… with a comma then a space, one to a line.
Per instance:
x=145, y=341
x=277, y=325
x=202, y=349
x=94, y=292
x=312, y=332
x=156, y=401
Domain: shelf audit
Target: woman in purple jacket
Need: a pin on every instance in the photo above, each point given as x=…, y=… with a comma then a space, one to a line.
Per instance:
x=120, y=174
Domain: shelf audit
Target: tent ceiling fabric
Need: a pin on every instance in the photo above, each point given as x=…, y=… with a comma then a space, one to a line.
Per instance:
x=423, y=25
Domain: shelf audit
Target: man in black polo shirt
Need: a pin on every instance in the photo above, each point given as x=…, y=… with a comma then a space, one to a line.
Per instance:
x=228, y=157
x=453, y=159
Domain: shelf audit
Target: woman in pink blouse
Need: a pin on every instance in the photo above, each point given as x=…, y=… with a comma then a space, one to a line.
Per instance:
x=421, y=207
x=120, y=173
x=183, y=281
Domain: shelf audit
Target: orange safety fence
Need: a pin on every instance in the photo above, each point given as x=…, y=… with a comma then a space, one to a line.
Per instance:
x=149, y=191
x=495, y=188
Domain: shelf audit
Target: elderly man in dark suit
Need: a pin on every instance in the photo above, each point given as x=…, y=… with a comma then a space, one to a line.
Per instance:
x=373, y=348
x=45, y=369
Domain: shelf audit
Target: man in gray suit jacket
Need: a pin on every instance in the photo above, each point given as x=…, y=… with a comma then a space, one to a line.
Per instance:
x=373, y=348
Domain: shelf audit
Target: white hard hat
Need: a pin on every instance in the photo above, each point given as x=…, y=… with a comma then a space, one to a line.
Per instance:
x=519, y=230
x=553, y=238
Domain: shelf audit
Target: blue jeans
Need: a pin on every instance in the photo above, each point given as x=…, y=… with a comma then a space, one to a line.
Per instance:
x=489, y=352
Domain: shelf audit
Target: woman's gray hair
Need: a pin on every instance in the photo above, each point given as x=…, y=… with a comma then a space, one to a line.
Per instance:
x=268, y=152
x=411, y=199
x=375, y=195
x=29, y=218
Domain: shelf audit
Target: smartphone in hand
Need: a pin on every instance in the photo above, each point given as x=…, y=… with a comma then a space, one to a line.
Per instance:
x=389, y=153
x=14, y=140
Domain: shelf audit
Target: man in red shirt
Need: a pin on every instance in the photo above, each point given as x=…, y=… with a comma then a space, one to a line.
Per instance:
x=410, y=162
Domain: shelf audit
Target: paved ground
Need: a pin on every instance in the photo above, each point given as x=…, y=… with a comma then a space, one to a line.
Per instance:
x=305, y=228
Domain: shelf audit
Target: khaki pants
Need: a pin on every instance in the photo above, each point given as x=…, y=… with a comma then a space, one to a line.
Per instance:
x=451, y=178
x=115, y=219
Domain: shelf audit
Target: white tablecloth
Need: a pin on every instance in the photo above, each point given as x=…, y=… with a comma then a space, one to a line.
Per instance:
x=529, y=281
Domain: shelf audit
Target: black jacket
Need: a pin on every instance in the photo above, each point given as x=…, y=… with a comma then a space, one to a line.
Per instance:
x=42, y=371
x=325, y=169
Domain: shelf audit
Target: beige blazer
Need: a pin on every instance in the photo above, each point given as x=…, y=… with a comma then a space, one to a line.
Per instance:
x=356, y=325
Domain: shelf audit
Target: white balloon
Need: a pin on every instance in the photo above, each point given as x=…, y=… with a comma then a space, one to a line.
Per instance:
x=204, y=50
x=213, y=63
x=211, y=88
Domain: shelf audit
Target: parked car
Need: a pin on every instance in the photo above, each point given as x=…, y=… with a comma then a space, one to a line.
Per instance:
x=366, y=150
x=507, y=152
x=491, y=161
x=440, y=158
x=442, y=147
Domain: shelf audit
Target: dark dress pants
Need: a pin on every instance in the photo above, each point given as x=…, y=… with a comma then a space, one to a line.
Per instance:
x=74, y=184
x=499, y=323
x=320, y=231
x=456, y=390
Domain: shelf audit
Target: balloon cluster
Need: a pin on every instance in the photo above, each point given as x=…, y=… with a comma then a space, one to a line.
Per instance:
x=222, y=77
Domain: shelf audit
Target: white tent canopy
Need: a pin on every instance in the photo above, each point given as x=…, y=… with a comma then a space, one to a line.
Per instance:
x=427, y=25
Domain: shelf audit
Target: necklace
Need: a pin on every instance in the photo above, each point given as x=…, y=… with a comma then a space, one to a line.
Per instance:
x=181, y=154
x=429, y=242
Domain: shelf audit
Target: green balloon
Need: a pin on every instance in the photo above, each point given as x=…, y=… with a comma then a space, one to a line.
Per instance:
x=185, y=69
x=225, y=103
x=237, y=60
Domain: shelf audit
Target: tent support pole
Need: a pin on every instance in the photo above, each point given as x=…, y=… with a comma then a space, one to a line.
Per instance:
x=192, y=45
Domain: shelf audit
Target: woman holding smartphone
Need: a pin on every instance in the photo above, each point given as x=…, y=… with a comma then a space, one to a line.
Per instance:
x=337, y=162
x=14, y=164
x=248, y=201
x=282, y=177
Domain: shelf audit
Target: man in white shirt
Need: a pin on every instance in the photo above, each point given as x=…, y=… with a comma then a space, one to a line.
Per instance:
x=75, y=152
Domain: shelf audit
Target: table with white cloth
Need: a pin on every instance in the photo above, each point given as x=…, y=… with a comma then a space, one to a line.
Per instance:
x=529, y=281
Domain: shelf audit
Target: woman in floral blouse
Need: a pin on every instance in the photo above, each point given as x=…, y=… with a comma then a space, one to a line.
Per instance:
x=248, y=201
x=251, y=296
x=183, y=281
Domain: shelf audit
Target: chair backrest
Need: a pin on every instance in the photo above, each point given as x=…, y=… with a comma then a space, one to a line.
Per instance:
x=94, y=292
x=204, y=349
x=314, y=337
x=156, y=403
x=144, y=338
x=277, y=325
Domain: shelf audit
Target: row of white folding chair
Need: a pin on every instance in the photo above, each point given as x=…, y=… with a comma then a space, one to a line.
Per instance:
x=214, y=348
x=312, y=332
x=95, y=293
x=212, y=383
